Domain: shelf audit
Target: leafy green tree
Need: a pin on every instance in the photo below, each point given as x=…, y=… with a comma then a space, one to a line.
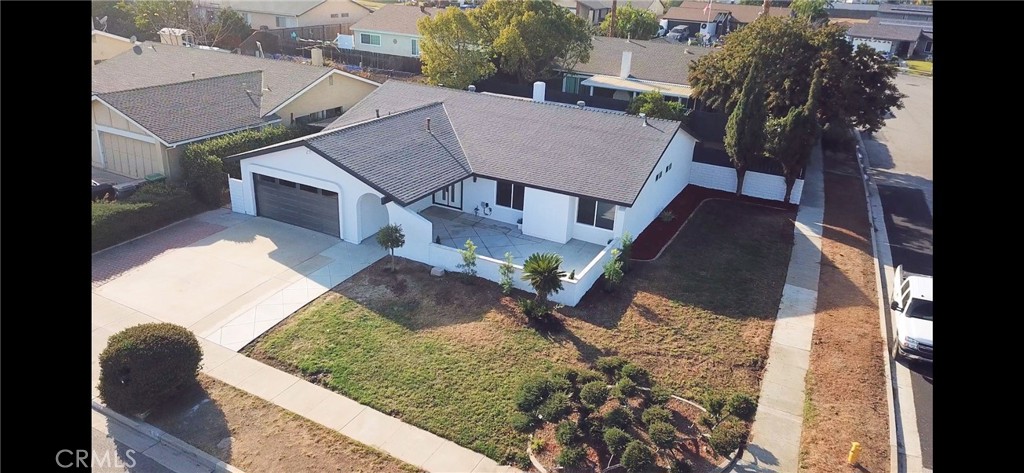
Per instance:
x=120, y=21
x=529, y=39
x=228, y=30
x=744, y=132
x=468, y=264
x=152, y=15
x=613, y=271
x=812, y=10
x=390, y=237
x=859, y=84
x=653, y=104
x=791, y=138
x=542, y=271
x=451, y=49
x=631, y=22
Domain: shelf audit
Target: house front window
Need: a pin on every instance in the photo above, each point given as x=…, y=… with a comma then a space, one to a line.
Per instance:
x=371, y=39
x=595, y=213
x=415, y=47
x=928, y=47
x=509, y=195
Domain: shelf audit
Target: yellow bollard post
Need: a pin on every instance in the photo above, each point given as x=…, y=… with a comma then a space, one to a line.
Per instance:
x=854, y=456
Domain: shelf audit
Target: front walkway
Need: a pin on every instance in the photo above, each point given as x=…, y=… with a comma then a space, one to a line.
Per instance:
x=493, y=239
x=774, y=444
x=217, y=284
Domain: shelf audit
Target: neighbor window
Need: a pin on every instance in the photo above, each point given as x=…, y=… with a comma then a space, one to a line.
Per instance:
x=572, y=84
x=281, y=21
x=371, y=39
x=658, y=177
x=928, y=47
x=668, y=168
x=595, y=213
x=344, y=15
x=334, y=15
x=415, y=47
x=510, y=195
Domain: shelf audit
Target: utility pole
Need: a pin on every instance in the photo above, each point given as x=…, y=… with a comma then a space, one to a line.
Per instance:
x=611, y=31
x=765, y=6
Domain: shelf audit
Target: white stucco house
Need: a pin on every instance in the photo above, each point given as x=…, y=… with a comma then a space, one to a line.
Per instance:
x=519, y=175
x=391, y=30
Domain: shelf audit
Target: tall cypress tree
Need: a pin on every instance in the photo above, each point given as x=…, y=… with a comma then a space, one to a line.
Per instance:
x=745, y=130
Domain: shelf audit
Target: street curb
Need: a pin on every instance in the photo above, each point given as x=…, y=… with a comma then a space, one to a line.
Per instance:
x=167, y=439
x=883, y=259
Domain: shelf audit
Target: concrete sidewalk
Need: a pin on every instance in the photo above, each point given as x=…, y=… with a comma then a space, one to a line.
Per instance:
x=774, y=444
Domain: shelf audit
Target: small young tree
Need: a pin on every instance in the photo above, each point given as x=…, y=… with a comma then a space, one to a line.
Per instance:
x=626, y=251
x=612, y=271
x=390, y=237
x=468, y=264
x=542, y=271
x=506, y=270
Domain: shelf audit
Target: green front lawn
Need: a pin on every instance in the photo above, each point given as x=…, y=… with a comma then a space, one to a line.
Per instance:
x=449, y=356
x=920, y=66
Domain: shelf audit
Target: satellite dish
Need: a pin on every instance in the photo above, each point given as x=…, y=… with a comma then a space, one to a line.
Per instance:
x=103, y=22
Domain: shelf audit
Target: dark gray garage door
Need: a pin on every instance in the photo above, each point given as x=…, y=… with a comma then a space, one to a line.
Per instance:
x=297, y=204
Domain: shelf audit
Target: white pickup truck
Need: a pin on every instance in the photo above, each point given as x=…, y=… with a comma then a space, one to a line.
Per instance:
x=912, y=309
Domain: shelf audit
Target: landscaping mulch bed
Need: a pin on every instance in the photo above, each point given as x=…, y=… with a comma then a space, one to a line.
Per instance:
x=846, y=397
x=255, y=435
x=650, y=242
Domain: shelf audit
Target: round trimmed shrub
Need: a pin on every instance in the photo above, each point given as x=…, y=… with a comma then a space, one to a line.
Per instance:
x=524, y=422
x=616, y=440
x=555, y=407
x=594, y=394
x=592, y=426
x=610, y=365
x=637, y=457
x=571, y=456
x=656, y=414
x=532, y=393
x=588, y=376
x=727, y=437
x=568, y=374
x=145, y=365
x=715, y=404
x=659, y=394
x=517, y=458
x=742, y=405
x=626, y=386
x=635, y=373
x=567, y=433
x=618, y=417
x=682, y=465
x=662, y=434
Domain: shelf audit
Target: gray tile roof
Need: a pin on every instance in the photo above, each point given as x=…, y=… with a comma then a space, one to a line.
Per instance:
x=882, y=31
x=591, y=153
x=278, y=7
x=925, y=25
x=160, y=64
x=601, y=4
x=907, y=9
x=189, y=110
x=397, y=155
x=656, y=60
x=393, y=18
x=694, y=11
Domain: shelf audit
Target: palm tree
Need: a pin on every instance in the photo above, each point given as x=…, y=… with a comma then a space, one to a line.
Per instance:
x=541, y=271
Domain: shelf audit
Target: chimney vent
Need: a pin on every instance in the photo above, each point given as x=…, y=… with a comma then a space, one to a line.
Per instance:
x=644, y=116
x=428, y=123
x=472, y=88
x=193, y=76
x=539, y=91
x=581, y=104
x=378, y=113
x=627, y=60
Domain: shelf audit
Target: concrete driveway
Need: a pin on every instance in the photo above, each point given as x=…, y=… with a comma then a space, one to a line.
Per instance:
x=219, y=279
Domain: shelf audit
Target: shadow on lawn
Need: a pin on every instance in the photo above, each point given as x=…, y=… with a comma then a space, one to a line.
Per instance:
x=194, y=417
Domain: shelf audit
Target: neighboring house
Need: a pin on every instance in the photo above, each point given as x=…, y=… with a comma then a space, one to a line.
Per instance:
x=594, y=11
x=292, y=13
x=106, y=46
x=567, y=4
x=890, y=11
x=720, y=19
x=391, y=30
x=573, y=179
x=903, y=38
x=621, y=69
x=147, y=106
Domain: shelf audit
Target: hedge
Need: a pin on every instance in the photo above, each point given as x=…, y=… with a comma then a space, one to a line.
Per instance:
x=239, y=142
x=151, y=207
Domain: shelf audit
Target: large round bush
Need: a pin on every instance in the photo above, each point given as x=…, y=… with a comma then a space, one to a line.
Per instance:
x=637, y=457
x=145, y=365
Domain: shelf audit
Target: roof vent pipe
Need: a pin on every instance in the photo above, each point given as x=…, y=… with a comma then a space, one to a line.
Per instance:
x=539, y=91
x=627, y=59
x=428, y=123
x=378, y=113
x=644, y=116
x=581, y=104
x=472, y=88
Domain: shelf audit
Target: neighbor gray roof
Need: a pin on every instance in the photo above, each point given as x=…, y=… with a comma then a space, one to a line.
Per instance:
x=394, y=18
x=188, y=110
x=882, y=31
x=561, y=148
x=279, y=7
x=396, y=155
x=601, y=4
x=907, y=9
x=925, y=25
x=160, y=64
x=694, y=11
x=656, y=60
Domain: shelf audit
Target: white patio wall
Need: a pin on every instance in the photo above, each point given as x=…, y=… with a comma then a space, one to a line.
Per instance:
x=755, y=184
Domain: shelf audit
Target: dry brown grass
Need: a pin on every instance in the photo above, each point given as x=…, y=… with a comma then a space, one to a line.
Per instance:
x=846, y=379
x=262, y=436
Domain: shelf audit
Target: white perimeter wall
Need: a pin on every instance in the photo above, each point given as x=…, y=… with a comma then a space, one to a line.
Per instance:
x=755, y=184
x=306, y=167
x=657, y=194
